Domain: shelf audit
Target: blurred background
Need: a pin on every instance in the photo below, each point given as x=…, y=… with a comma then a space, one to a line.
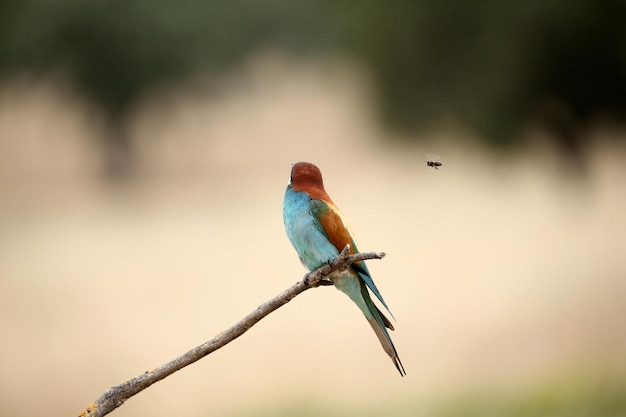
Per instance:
x=144, y=151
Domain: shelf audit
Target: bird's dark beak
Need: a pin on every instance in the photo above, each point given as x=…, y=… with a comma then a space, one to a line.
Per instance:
x=291, y=173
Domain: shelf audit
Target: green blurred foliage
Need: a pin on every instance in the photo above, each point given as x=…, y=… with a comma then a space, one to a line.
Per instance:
x=488, y=65
x=578, y=397
x=565, y=398
x=494, y=64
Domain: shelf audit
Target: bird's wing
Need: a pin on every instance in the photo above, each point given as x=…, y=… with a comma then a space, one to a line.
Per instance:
x=333, y=224
x=364, y=274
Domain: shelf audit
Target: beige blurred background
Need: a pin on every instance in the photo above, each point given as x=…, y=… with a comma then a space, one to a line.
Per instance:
x=506, y=275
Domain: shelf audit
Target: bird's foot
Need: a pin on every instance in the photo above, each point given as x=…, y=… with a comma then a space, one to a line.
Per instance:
x=324, y=282
x=307, y=280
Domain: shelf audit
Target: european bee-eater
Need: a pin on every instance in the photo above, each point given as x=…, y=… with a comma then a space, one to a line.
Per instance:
x=319, y=231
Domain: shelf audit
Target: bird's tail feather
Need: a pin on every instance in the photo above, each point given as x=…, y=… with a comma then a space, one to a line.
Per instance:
x=385, y=320
x=356, y=289
x=387, y=344
x=378, y=321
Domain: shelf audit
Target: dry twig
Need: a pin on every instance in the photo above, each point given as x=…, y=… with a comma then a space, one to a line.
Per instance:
x=117, y=395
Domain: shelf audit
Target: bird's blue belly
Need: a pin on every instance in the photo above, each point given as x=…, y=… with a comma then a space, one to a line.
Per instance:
x=304, y=231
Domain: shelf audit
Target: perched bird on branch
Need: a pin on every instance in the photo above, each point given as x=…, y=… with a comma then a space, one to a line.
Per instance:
x=319, y=231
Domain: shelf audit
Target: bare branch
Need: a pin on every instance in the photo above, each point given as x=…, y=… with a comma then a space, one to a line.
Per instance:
x=117, y=395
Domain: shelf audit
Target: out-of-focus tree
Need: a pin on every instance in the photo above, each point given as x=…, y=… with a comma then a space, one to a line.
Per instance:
x=487, y=65
x=497, y=66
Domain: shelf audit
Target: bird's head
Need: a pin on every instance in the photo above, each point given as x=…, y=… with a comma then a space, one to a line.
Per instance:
x=308, y=178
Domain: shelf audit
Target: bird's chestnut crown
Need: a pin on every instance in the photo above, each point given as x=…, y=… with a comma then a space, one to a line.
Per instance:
x=308, y=178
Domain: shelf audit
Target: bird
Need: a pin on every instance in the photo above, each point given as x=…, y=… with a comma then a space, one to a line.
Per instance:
x=319, y=231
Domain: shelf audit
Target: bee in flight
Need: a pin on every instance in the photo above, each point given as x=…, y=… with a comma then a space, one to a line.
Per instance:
x=434, y=164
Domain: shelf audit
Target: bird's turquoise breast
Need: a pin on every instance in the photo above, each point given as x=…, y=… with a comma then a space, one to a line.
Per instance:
x=305, y=232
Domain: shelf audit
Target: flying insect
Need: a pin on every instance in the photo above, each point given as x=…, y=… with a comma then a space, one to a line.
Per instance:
x=434, y=164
